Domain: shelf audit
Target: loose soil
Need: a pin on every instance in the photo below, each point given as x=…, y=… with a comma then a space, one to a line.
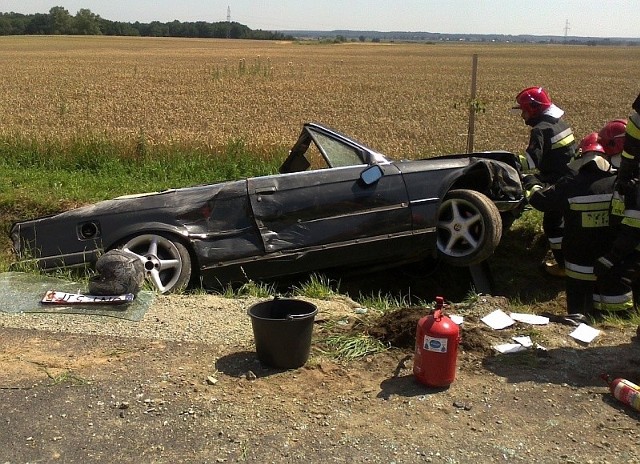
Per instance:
x=184, y=385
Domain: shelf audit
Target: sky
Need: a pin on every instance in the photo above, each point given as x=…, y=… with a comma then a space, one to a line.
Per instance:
x=584, y=18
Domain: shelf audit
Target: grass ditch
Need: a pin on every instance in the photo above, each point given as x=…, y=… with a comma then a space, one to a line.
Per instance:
x=39, y=178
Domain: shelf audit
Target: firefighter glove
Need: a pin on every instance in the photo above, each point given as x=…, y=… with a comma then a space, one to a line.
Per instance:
x=530, y=181
x=523, y=163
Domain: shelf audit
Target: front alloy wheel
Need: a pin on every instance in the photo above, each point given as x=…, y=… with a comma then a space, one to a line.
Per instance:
x=469, y=228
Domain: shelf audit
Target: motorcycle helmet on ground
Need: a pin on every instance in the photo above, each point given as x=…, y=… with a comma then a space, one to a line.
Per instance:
x=119, y=272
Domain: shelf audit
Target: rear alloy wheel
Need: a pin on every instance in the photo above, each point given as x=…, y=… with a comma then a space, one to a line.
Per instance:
x=469, y=228
x=167, y=263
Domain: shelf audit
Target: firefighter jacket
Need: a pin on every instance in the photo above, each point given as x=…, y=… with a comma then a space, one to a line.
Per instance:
x=627, y=241
x=583, y=198
x=629, y=166
x=551, y=146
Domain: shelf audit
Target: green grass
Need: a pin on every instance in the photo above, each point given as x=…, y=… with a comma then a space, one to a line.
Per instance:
x=250, y=288
x=342, y=346
x=318, y=287
x=385, y=302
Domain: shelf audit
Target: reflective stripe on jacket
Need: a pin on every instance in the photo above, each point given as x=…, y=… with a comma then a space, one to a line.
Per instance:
x=584, y=200
x=632, y=152
x=551, y=146
x=587, y=231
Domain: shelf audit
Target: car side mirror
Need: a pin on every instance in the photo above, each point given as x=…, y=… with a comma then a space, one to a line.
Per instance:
x=371, y=175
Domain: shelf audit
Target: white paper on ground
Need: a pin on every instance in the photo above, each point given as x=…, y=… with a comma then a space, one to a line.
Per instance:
x=524, y=341
x=585, y=333
x=498, y=320
x=530, y=318
x=509, y=348
x=457, y=320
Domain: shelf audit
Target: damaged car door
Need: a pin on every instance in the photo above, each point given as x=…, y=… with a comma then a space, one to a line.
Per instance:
x=309, y=218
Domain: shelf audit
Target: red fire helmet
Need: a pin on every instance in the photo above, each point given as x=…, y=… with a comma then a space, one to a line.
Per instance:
x=612, y=136
x=589, y=143
x=533, y=100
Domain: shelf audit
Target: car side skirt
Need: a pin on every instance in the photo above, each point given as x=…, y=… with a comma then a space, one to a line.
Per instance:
x=405, y=246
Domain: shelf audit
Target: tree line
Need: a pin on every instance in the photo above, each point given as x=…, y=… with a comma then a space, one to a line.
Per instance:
x=60, y=22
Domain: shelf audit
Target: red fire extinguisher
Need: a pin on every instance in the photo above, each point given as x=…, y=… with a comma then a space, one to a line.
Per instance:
x=624, y=391
x=437, y=339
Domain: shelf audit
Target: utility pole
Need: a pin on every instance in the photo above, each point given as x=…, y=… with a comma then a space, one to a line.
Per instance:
x=228, y=21
x=566, y=30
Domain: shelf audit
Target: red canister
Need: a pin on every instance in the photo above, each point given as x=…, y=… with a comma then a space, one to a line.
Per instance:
x=437, y=340
x=624, y=391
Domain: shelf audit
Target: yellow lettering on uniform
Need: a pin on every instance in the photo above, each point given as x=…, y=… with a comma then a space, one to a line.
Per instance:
x=595, y=219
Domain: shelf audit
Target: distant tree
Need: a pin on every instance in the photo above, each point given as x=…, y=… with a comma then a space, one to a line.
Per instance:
x=237, y=31
x=38, y=24
x=157, y=29
x=18, y=23
x=86, y=23
x=5, y=26
x=204, y=29
x=60, y=20
x=177, y=29
x=362, y=38
x=117, y=28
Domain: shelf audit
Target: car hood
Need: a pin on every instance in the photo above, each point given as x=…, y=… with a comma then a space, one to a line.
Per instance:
x=501, y=181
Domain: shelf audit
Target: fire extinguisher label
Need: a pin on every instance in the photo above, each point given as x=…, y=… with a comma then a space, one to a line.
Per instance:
x=439, y=345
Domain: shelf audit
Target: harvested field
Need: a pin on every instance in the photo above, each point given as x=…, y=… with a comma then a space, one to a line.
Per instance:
x=406, y=100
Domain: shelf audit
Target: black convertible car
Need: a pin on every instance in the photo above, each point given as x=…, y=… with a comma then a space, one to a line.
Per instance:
x=334, y=204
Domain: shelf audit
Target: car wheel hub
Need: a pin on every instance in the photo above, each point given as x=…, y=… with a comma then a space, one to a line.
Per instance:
x=151, y=263
x=162, y=262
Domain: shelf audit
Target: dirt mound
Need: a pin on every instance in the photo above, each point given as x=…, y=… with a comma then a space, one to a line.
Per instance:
x=398, y=328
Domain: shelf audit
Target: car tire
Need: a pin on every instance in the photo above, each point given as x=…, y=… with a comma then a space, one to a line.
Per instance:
x=166, y=261
x=469, y=228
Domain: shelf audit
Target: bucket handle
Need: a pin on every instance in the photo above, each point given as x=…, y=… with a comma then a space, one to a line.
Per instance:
x=293, y=317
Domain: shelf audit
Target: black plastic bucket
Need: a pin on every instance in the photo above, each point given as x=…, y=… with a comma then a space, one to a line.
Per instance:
x=282, y=331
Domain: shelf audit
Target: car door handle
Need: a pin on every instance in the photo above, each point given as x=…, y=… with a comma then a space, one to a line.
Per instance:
x=266, y=190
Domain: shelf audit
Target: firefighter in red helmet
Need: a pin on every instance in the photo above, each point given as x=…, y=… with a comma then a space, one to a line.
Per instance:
x=551, y=146
x=622, y=261
x=611, y=137
x=582, y=198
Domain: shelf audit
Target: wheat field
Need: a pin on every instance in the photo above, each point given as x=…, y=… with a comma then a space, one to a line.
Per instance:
x=405, y=100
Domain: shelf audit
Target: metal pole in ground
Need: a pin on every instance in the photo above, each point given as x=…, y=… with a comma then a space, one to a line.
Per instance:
x=472, y=106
